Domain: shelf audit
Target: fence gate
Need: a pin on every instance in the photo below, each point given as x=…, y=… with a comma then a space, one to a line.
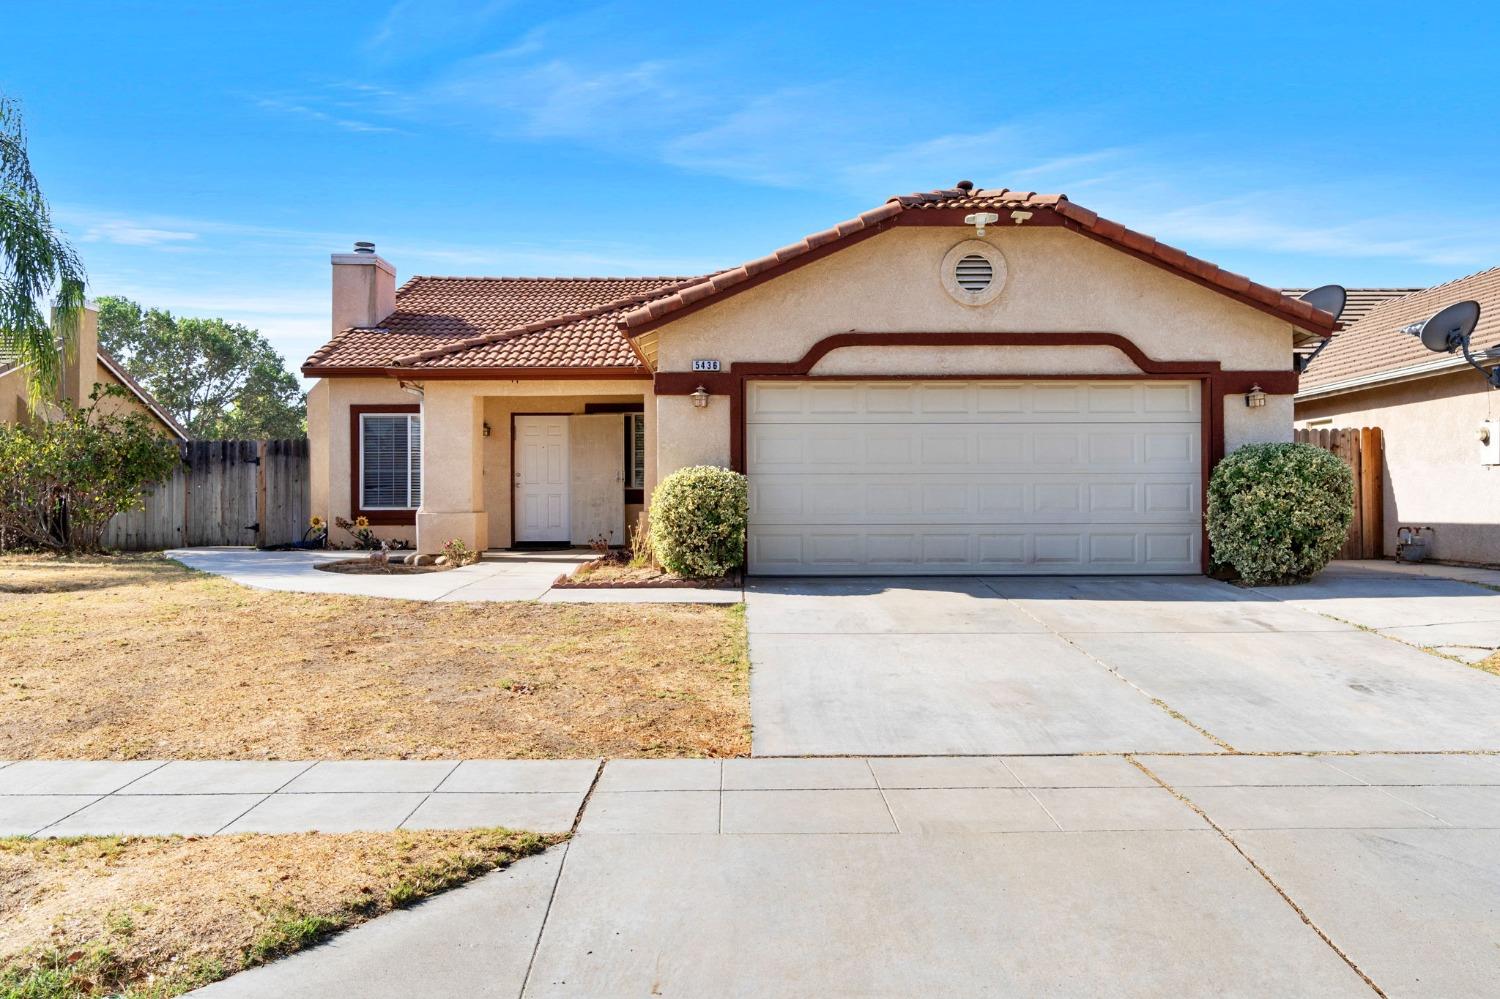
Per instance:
x=223, y=493
x=1363, y=450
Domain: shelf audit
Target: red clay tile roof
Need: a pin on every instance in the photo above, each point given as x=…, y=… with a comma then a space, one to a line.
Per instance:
x=548, y=323
x=965, y=197
x=1374, y=346
x=468, y=322
x=1360, y=301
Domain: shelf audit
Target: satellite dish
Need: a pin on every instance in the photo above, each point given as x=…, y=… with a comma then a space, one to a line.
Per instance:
x=1449, y=329
x=1330, y=299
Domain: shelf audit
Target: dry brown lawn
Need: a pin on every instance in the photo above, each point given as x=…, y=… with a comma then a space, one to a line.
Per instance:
x=138, y=657
x=158, y=916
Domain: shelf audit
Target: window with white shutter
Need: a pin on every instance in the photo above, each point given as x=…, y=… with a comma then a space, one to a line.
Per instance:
x=390, y=451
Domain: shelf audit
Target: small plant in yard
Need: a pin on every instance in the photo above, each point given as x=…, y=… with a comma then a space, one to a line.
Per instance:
x=641, y=555
x=62, y=480
x=698, y=518
x=458, y=553
x=359, y=529
x=1279, y=513
x=599, y=545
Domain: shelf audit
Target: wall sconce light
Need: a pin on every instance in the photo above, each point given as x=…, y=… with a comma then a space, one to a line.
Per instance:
x=700, y=397
x=1256, y=397
x=486, y=427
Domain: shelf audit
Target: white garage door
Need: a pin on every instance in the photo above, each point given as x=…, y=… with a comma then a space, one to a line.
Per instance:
x=973, y=476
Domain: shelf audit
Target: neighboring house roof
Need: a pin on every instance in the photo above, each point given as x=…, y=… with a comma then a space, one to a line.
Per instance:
x=468, y=322
x=1359, y=302
x=132, y=386
x=146, y=398
x=1373, y=350
x=546, y=325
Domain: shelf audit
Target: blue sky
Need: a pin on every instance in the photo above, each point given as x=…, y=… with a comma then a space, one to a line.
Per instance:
x=208, y=157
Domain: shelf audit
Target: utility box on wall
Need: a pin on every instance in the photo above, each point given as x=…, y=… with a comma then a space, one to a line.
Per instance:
x=1489, y=442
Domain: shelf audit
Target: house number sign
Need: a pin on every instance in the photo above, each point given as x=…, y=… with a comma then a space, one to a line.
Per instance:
x=705, y=364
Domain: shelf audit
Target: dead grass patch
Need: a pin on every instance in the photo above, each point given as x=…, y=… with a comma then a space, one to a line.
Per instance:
x=159, y=916
x=138, y=658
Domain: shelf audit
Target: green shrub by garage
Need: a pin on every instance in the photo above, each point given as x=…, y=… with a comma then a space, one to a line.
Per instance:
x=1278, y=513
x=698, y=518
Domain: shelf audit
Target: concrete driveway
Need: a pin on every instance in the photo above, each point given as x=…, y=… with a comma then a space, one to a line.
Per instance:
x=1114, y=665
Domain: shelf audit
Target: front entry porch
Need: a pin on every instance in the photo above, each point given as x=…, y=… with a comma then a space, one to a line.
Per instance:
x=552, y=463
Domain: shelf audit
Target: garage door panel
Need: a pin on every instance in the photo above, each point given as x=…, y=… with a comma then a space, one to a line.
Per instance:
x=973, y=548
x=970, y=476
x=819, y=449
x=774, y=401
x=956, y=497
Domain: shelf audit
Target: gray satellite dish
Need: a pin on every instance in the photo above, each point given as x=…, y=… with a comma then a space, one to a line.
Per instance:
x=1330, y=299
x=1449, y=329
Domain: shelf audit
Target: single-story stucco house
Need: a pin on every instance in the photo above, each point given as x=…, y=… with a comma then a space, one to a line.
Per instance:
x=1430, y=408
x=84, y=367
x=963, y=380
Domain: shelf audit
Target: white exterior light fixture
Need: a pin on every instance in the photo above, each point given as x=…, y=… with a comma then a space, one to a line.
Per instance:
x=700, y=397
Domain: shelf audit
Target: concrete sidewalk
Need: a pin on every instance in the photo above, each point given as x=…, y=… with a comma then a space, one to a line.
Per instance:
x=1080, y=876
x=498, y=576
x=187, y=797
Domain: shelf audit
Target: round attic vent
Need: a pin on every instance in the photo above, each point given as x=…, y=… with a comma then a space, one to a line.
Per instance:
x=974, y=273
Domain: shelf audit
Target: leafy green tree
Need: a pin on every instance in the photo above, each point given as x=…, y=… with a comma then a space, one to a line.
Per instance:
x=221, y=380
x=62, y=480
x=36, y=264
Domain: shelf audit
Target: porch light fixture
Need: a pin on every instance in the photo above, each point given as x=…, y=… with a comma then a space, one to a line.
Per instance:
x=700, y=397
x=486, y=427
x=1256, y=397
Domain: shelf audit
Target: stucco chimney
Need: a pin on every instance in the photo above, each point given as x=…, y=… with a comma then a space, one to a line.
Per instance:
x=81, y=363
x=364, y=288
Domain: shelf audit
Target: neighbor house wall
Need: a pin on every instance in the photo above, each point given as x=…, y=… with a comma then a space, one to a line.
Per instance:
x=1433, y=477
x=1056, y=282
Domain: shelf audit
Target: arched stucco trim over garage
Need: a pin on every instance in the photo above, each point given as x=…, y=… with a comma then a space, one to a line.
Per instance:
x=1216, y=383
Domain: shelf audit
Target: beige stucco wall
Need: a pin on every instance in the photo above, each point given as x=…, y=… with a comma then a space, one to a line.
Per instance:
x=1433, y=477
x=1056, y=281
x=328, y=403
x=467, y=476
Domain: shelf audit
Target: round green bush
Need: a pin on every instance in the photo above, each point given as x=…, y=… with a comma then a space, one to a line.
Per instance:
x=698, y=517
x=1279, y=512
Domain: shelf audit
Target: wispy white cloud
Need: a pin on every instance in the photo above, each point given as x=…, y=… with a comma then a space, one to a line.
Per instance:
x=300, y=109
x=126, y=233
x=418, y=27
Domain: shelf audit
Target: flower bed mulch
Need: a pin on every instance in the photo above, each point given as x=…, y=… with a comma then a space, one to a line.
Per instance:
x=610, y=573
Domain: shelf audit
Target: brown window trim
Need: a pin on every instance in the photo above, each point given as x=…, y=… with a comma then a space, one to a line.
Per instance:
x=601, y=408
x=382, y=518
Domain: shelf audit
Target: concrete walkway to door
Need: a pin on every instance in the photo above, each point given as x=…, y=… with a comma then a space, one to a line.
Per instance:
x=1159, y=664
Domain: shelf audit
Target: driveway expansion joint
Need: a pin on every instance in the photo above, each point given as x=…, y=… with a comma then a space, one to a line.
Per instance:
x=1285, y=897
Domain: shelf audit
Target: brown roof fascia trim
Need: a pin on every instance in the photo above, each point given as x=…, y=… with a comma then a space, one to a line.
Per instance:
x=790, y=264
x=481, y=374
x=1321, y=330
x=1065, y=214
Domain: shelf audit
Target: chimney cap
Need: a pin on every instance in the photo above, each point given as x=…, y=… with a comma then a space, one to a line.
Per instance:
x=364, y=246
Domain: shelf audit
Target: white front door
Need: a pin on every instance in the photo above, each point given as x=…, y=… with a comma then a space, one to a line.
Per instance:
x=541, y=475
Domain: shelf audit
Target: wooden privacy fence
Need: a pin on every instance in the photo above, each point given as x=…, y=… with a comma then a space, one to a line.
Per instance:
x=1363, y=450
x=223, y=493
